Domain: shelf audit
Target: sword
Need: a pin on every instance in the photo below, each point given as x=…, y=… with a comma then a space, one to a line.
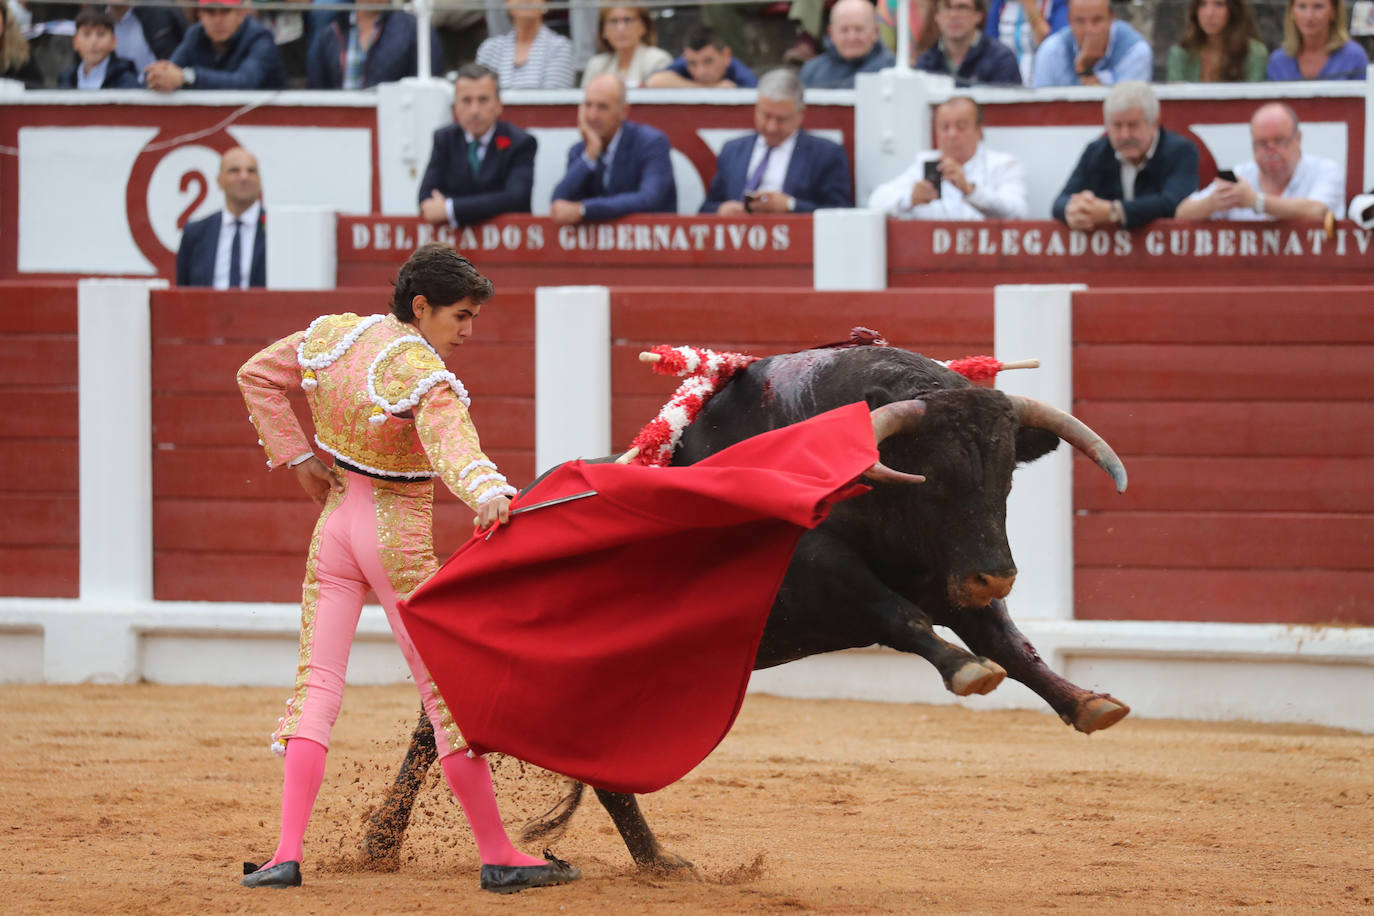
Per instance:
x=544, y=505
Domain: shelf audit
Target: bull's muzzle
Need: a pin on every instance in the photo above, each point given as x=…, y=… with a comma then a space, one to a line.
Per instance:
x=981, y=589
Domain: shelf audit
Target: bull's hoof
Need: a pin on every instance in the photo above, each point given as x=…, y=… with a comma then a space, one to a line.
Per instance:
x=1099, y=712
x=670, y=864
x=976, y=677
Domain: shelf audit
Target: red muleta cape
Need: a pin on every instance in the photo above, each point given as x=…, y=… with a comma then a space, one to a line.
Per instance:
x=611, y=638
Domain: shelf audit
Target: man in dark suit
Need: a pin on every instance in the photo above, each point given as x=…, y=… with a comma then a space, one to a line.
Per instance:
x=228, y=249
x=619, y=168
x=481, y=166
x=780, y=168
x=1137, y=173
x=227, y=49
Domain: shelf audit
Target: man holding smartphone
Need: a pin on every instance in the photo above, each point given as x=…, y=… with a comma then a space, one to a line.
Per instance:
x=961, y=179
x=1279, y=183
x=779, y=168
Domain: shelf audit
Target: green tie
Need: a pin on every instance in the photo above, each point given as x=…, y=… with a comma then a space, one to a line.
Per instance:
x=473, y=159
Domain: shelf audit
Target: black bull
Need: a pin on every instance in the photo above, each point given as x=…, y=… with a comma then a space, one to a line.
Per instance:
x=886, y=567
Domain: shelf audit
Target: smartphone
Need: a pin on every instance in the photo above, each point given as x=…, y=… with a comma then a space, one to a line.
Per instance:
x=750, y=198
x=1226, y=175
x=932, y=175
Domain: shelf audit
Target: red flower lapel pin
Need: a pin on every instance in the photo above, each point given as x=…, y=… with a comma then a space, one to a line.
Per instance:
x=503, y=142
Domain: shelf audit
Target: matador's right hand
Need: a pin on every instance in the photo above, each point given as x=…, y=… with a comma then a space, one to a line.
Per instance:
x=316, y=479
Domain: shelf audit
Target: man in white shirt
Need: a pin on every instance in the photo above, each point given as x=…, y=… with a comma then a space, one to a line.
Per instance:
x=1279, y=183
x=228, y=249
x=974, y=182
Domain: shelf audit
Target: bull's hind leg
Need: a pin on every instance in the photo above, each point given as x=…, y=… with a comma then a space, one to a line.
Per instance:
x=387, y=826
x=990, y=631
x=639, y=838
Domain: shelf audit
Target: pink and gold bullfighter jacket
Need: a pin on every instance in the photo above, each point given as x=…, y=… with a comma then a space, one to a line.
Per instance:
x=382, y=401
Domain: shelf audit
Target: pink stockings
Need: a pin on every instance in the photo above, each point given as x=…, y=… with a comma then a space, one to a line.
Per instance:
x=347, y=563
x=469, y=778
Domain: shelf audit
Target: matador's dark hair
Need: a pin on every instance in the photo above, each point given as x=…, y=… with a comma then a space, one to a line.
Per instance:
x=440, y=274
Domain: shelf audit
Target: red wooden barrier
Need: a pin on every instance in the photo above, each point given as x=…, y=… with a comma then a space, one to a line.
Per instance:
x=1245, y=420
x=39, y=502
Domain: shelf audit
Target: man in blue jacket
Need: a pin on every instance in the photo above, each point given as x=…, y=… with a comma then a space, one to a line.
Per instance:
x=481, y=166
x=1137, y=173
x=964, y=52
x=619, y=168
x=226, y=50
x=779, y=168
x=361, y=49
x=851, y=46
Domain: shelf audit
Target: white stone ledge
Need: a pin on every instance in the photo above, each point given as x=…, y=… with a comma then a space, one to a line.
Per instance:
x=1205, y=671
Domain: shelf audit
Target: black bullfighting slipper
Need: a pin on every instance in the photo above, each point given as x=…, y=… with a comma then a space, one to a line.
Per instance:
x=283, y=874
x=507, y=879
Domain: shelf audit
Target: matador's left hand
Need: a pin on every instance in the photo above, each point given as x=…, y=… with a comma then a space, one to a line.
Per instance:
x=491, y=512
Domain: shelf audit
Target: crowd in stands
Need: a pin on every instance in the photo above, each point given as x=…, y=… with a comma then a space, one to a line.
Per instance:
x=226, y=44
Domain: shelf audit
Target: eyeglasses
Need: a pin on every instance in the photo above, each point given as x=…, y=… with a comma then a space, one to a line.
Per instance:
x=1272, y=144
x=621, y=22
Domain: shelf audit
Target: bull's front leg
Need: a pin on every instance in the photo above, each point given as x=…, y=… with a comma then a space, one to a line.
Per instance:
x=991, y=632
x=638, y=836
x=826, y=575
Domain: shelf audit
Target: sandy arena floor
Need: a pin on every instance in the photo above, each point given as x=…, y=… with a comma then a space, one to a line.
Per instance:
x=147, y=798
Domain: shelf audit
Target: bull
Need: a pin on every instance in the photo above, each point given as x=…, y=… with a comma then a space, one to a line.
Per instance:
x=886, y=567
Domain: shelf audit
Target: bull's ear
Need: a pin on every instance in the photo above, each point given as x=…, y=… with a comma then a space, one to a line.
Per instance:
x=1032, y=443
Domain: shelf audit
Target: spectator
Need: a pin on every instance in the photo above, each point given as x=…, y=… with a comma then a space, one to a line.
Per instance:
x=780, y=168
x=144, y=34
x=963, y=51
x=626, y=39
x=975, y=182
x=1220, y=44
x=921, y=27
x=706, y=63
x=1316, y=44
x=1137, y=173
x=1279, y=183
x=481, y=166
x=531, y=55
x=1023, y=25
x=360, y=49
x=851, y=47
x=227, y=49
x=619, y=168
x=1095, y=50
x=15, y=62
x=228, y=249
x=97, y=65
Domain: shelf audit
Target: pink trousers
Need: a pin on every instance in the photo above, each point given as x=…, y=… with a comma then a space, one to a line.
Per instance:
x=375, y=534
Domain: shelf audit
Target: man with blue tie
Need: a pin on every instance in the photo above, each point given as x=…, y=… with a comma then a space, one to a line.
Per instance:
x=619, y=168
x=481, y=166
x=228, y=249
x=780, y=168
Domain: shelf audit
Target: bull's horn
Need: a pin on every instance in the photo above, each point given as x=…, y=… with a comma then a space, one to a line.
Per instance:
x=897, y=417
x=889, y=420
x=1030, y=412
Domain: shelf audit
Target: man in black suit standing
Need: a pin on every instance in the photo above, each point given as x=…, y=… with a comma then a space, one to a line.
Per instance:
x=228, y=249
x=481, y=166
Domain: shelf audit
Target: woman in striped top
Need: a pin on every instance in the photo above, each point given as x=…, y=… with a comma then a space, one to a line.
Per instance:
x=531, y=55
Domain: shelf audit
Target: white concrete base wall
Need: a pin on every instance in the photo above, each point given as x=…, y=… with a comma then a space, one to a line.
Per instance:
x=1259, y=672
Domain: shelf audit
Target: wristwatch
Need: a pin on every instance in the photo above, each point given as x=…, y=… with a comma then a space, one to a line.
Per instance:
x=791, y=204
x=188, y=76
x=1259, y=202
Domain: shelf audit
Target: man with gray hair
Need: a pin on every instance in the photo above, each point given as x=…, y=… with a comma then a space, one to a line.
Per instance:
x=1137, y=173
x=779, y=168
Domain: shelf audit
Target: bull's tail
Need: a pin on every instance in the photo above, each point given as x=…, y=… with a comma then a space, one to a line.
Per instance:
x=551, y=824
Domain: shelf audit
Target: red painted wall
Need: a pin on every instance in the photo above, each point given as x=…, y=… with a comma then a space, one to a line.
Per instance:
x=39, y=505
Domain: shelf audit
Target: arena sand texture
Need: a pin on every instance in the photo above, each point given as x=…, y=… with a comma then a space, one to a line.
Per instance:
x=146, y=799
